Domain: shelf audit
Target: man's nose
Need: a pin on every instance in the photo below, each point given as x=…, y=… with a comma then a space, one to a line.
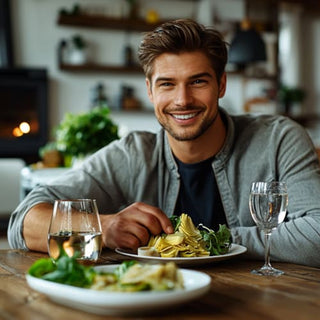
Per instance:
x=183, y=96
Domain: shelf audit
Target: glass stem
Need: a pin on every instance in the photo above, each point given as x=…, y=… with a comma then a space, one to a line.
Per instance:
x=267, y=236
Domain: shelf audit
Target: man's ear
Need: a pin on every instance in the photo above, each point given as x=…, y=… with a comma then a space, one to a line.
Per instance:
x=149, y=89
x=223, y=85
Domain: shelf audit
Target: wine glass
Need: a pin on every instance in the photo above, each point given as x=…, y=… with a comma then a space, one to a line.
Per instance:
x=268, y=204
x=75, y=229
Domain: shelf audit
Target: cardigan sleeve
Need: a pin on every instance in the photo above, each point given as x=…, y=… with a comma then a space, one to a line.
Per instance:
x=294, y=160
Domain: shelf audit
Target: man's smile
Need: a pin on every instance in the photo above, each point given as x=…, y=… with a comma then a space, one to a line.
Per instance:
x=184, y=116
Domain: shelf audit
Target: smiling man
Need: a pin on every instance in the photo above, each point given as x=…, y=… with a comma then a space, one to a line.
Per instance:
x=185, y=92
x=202, y=162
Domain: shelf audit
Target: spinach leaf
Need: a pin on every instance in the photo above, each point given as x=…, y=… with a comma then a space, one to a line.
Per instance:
x=41, y=267
x=216, y=242
x=65, y=269
x=69, y=271
x=176, y=221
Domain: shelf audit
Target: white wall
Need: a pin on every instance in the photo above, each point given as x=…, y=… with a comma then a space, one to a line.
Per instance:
x=310, y=62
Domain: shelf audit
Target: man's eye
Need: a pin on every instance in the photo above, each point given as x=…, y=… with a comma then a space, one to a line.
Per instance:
x=199, y=81
x=165, y=84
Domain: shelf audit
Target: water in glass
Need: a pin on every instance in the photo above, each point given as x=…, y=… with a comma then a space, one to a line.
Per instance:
x=268, y=204
x=75, y=229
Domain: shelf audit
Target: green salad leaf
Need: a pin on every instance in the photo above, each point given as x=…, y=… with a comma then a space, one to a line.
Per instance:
x=217, y=242
x=41, y=267
x=65, y=269
x=175, y=221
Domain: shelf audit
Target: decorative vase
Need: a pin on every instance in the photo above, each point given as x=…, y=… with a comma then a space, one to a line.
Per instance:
x=77, y=56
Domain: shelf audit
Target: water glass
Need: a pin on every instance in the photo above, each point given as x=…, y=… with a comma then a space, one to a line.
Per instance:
x=268, y=204
x=75, y=229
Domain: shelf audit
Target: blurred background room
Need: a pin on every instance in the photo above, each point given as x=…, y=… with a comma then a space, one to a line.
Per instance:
x=79, y=57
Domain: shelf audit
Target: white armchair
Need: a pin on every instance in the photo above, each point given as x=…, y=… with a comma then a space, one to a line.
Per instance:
x=10, y=173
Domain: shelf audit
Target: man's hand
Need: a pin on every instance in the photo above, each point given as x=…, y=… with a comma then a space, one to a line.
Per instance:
x=132, y=227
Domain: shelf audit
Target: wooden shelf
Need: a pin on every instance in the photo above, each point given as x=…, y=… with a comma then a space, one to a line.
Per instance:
x=93, y=67
x=104, y=22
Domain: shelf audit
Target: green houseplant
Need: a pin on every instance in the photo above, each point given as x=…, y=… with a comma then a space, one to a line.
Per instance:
x=288, y=96
x=79, y=135
x=78, y=42
x=78, y=53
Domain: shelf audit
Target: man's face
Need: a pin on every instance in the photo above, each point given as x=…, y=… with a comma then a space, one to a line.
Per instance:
x=185, y=92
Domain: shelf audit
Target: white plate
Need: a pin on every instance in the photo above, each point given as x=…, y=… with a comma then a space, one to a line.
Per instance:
x=235, y=250
x=122, y=303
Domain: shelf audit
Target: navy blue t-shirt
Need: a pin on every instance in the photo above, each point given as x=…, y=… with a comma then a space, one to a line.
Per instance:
x=199, y=196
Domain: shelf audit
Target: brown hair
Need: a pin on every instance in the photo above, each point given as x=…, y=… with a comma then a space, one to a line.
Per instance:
x=183, y=35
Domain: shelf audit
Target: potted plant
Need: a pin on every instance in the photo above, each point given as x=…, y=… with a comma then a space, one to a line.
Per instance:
x=289, y=96
x=79, y=135
x=78, y=50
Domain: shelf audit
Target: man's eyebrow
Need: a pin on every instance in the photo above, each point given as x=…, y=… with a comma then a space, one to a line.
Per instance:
x=201, y=75
x=160, y=79
x=195, y=76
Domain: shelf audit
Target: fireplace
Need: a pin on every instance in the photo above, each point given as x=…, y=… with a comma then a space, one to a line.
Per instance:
x=23, y=100
x=23, y=112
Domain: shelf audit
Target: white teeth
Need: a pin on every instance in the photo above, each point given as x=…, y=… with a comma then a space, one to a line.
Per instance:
x=184, y=116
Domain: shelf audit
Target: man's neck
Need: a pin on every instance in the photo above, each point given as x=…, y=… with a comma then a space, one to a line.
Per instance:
x=202, y=148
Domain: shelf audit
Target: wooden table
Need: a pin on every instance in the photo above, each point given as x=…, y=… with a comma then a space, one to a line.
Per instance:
x=235, y=293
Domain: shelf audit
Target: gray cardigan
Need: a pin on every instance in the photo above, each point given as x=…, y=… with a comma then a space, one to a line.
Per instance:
x=140, y=167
